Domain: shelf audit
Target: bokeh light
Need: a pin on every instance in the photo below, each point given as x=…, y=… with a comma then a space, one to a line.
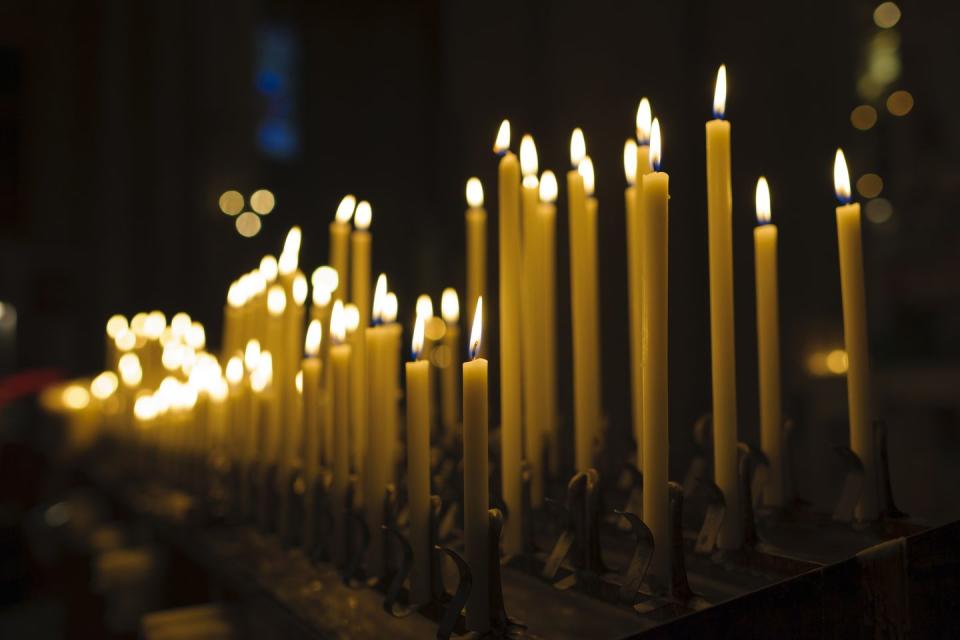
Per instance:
x=869, y=185
x=248, y=224
x=837, y=362
x=886, y=15
x=262, y=201
x=863, y=117
x=231, y=202
x=900, y=103
x=878, y=210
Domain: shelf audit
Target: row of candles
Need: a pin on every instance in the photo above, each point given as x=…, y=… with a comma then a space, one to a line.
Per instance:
x=326, y=392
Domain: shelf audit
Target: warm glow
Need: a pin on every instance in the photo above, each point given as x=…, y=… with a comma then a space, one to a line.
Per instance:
x=235, y=370
x=528, y=156
x=196, y=336
x=130, y=371
x=720, y=93
x=103, y=386
x=450, y=305
x=502, y=143
x=248, y=224
x=900, y=103
x=390, y=307
x=362, y=216
x=656, y=145
x=345, y=208
x=474, y=192
x=886, y=15
x=172, y=356
x=416, y=343
x=321, y=296
x=269, y=268
x=298, y=381
x=75, y=397
x=235, y=295
x=263, y=374
x=262, y=201
x=644, y=116
x=585, y=169
x=869, y=185
x=325, y=278
x=146, y=408
x=314, y=334
x=256, y=283
x=179, y=323
x=115, y=325
x=837, y=362
x=548, y=187
x=763, y=201
x=351, y=317
x=630, y=161
x=125, y=340
x=424, y=306
x=299, y=289
x=863, y=117
x=338, y=324
x=290, y=256
x=218, y=389
x=841, y=178
x=231, y=202
x=251, y=355
x=477, y=330
x=276, y=300
x=379, y=297
x=578, y=147
x=137, y=322
x=154, y=325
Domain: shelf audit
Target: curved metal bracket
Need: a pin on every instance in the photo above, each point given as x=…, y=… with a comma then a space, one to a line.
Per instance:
x=680, y=587
x=391, y=602
x=889, y=508
x=451, y=614
x=642, y=555
x=843, y=511
x=713, y=519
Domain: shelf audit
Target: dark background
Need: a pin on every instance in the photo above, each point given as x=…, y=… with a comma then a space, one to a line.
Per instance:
x=122, y=122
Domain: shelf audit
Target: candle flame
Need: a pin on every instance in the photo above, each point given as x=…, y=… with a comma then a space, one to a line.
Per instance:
x=290, y=255
x=256, y=283
x=656, y=145
x=363, y=215
x=325, y=278
x=720, y=93
x=841, y=178
x=125, y=340
x=196, y=336
x=321, y=297
x=416, y=342
x=115, y=325
x=450, y=305
x=218, y=389
x=75, y=397
x=146, y=408
x=179, y=323
x=154, y=325
x=311, y=345
x=548, y=187
x=578, y=147
x=477, y=330
x=379, y=298
x=338, y=323
x=299, y=289
x=345, y=208
x=530, y=182
x=630, y=161
x=262, y=376
x=235, y=370
x=131, y=373
x=528, y=156
x=137, y=322
x=236, y=295
x=474, y=193
x=763, y=201
x=103, y=386
x=586, y=171
x=268, y=268
x=390, y=306
x=276, y=300
x=351, y=317
x=251, y=355
x=298, y=381
x=644, y=115
x=424, y=306
x=502, y=144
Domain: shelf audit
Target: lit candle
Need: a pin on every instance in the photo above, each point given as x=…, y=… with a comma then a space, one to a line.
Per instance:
x=656, y=452
x=360, y=246
x=378, y=466
x=636, y=164
x=311, y=403
x=531, y=304
x=583, y=302
x=476, y=221
x=115, y=326
x=855, y=337
x=450, y=373
x=418, y=466
x=768, y=345
x=294, y=343
x=276, y=305
x=547, y=227
x=236, y=410
x=476, y=500
x=340, y=397
x=358, y=389
x=340, y=243
x=392, y=384
x=511, y=435
x=720, y=232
